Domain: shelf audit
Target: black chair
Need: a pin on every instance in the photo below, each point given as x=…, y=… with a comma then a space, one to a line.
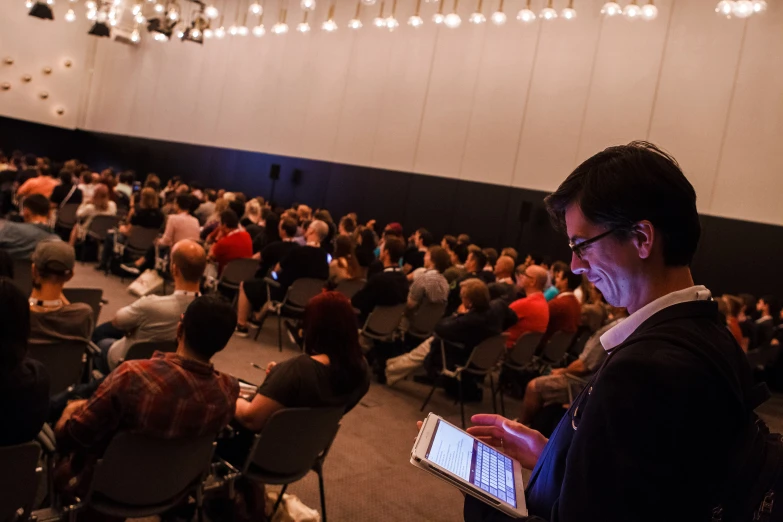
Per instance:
x=484, y=358
x=23, y=275
x=98, y=229
x=66, y=217
x=237, y=271
x=294, y=302
x=557, y=347
x=349, y=287
x=144, y=350
x=382, y=323
x=64, y=361
x=141, y=476
x=294, y=441
x=137, y=243
x=424, y=319
x=20, y=477
x=90, y=296
x=582, y=336
x=518, y=357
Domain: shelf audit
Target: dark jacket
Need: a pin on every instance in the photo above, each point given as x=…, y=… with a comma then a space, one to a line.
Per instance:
x=384, y=289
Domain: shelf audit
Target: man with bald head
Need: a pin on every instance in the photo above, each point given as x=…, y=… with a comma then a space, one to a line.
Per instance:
x=504, y=287
x=153, y=317
x=532, y=310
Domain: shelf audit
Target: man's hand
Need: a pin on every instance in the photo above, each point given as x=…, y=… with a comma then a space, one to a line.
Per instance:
x=512, y=438
x=68, y=412
x=269, y=366
x=558, y=371
x=462, y=309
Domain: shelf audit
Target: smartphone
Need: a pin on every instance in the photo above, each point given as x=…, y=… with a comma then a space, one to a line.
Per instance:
x=465, y=462
x=274, y=276
x=328, y=258
x=136, y=186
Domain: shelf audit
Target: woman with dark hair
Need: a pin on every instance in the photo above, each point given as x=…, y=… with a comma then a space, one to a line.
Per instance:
x=344, y=265
x=24, y=383
x=365, y=250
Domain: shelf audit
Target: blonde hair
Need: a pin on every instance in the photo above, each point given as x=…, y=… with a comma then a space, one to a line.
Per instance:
x=100, y=198
x=253, y=210
x=149, y=198
x=475, y=291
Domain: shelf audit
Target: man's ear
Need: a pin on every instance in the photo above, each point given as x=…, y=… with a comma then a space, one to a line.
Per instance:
x=643, y=237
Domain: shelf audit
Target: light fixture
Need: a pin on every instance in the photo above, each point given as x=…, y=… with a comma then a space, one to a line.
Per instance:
x=438, y=17
x=391, y=21
x=160, y=37
x=9, y=60
x=307, y=5
x=233, y=30
x=548, y=13
x=742, y=8
x=415, y=20
x=477, y=17
x=159, y=8
x=256, y=8
x=47, y=70
x=220, y=32
x=355, y=23
x=304, y=27
x=568, y=12
x=452, y=20
x=632, y=11
x=29, y=4
x=136, y=9
x=92, y=14
x=60, y=111
x=173, y=13
x=90, y=5
x=526, y=15
x=499, y=17
x=329, y=25
x=5, y=86
x=611, y=9
x=27, y=78
x=281, y=27
x=68, y=63
x=211, y=12
x=242, y=30
x=369, y=2
x=258, y=31
x=135, y=36
x=380, y=20
x=42, y=10
x=139, y=19
x=759, y=6
x=724, y=8
x=70, y=16
x=161, y=28
x=43, y=95
x=649, y=11
x=100, y=29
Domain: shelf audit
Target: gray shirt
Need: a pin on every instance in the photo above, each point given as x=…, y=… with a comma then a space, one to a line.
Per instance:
x=594, y=354
x=20, y=239
x=71, y=322
x=151, y=318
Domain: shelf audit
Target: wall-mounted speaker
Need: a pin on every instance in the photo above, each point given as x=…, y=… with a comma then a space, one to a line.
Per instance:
x=296, y=177
x=274, y=172
x=524, y=212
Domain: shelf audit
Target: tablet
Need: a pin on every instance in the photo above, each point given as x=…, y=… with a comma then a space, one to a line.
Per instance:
x=476, y=468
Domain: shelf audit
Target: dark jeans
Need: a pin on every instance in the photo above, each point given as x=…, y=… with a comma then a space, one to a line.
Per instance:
x=104, y=336
x=108, y=248
x=149, y=256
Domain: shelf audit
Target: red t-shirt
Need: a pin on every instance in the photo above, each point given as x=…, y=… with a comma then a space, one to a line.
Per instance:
x=236, y=245
x=533, y=314
x=565, y=314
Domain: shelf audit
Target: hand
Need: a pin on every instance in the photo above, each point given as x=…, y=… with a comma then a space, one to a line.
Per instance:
x=516, y=440
x=462, y=309
x=269, y=366
x=370, y=224
x=559, y=371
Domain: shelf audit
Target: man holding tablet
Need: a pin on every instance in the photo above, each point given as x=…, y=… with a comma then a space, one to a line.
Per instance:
x=665, y=430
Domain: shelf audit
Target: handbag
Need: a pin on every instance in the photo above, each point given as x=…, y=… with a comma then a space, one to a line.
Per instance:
x=291, y=509
x=147, y=283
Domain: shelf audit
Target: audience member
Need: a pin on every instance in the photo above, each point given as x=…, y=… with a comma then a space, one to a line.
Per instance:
x=594, y=309
x=550, y=290
x=252, y=221
x=24, y=382
x=414, y=255
x=565, y=312
x=52, y=317
x=20, y=239
x=125, y=185
x=474, y=268
x=365, y=252
x=231, y=242
x=42, y=184
x=100, y=205
x=448, y=243
x=510, y=252
x=492, y=259
x=86, y=186
x=463, y=239
x=769, y=308
x=430, y=285
x=207, y=208
x=67, y=192
x=458, y=257
x=532, y=310
x=347, y=226
x=504, y=286
x=387, y=288
x=733, y=307
x=344, y=264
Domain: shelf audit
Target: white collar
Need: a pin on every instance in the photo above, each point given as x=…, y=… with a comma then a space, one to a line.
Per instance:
x=617, y=335
x=288, y=239
x=506, y=280
x=392, y=269
x=313, y=244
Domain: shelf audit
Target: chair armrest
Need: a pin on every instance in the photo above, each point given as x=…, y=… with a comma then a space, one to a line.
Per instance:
x=271, y=282
x=47, y=439
x=92, y=349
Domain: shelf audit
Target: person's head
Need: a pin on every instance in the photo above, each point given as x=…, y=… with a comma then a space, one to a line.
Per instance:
x=624, y=239
x=769, y=305
x=474, y=294
x=86, y=177
x=733, y=305
x=748, y=304
x=182, y=189
x=229, y=219
x=30, y=161
x=556, y=268
x=535, y=258
x=367, y=239
x=504, y=267
x=344, y=247
x=531, y=278
x=206, y=327
x=149, y=198
x=459, y=254
x=567, y=281
x=253, y=210
x=188, y=262
x=316, y=232
x=14, y=325
x=210, y=195
x=152, y=182
x=463, y=239
x=393, y=229
x=304, y=213
x=437, y=258
x=287, y=228
x=347, y=226
x=53, y=263
x=448, y=242
x=492, y=256
x=221, y=205
x=476, y=262
x=66, y=177
x=422, y=238
x=392, y=250
x=101, y=197
x=35, y=208
x=182, y=203
x=510, y=252
x=127, y=177
x=323, y=215
x=330, y=329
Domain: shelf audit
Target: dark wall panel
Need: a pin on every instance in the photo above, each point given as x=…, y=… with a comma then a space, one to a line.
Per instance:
x=430, y=205
x=481, y=211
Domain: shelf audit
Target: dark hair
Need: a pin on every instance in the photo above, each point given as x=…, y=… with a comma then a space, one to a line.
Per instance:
x=623, y=185
x=395, y=248
x=37, y=204
x=208, y=324
x=289, y=226
x=348, y=224
x=451, y=241
x=127, y=177
x=183, y=201
x=330, y=328
x=537, y=258
x=559, y=266
x=211, y=195
x=440, y=258
x=426, y=237
x=14, y=324
x=271, y=232
x=573, y=280
x=191, y=267
x=343, y=246
x=461, y=251
x=30, y=160
x=480, y=258
x=774, y=306
x=6, y=264
x=238, y=207
x=228, y=218
x=368, y=238
x=66, y=176
x=464, y=239
x=492, y=255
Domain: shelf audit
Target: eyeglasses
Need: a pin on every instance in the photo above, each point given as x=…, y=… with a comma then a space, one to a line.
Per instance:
x=578, y=248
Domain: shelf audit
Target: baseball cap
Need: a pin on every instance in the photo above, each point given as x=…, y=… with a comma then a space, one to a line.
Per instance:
x=54, y=256
x=395, y=228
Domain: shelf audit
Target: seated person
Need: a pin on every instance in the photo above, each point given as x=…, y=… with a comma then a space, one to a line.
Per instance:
x=553, y=388
x=504, y=286
x=344, y=264
x=170, y=396
x=532, y=310
x=458, y=255
x=414, y=255
x=551, y=291
x=565, y=311
x=52, y=317
x=492, y=259
x=769, y=308
x=276, y=250
x=145, y=214
x=430, y=285
x=474, y=269
x=387, y=288
x=308, y=261
x=20, y=239
x=594, y=309
x=101, y=205
x=153, y=317
x=67, y=192
x=43, y=184
x=231, y=242
x=24, y=382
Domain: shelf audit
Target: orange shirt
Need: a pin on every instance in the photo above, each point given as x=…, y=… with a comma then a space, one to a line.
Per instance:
x=43, y=185
x=734, y=328
x=533, y=314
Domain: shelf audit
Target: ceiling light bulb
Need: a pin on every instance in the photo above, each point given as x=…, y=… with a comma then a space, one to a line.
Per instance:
x=90, y=5
x=477, y=18
x=548, y=13
x=280, y=28
x=233, y=30
x=724, y=8
x=303, y=27
x=392, y=23
x=379, y=22
x=140, y=18
x=438, y=18
x=759, y=6
x=499, y=18
x=242, y=30
x=180, y=34
x=569, y=13
x=742, y=8
x=101, y=16
x=195, y=33
x=159, y=8
x=256, y=8
x=526, y=16
x=329, y=26
x=368, y=2
x=113, y=22
x=160, y=37
x=649, y=12
x=307, y=5
x=220, y=32
x=173, y=15
x=208, y=33
x=135, y=36
x=632, y=11
x=611, y=9
x=452, y=20
x=354, y=23
x=136, y=9
x=415, y=21
x=211, y=12
x=92, y=14
x=29, y=4
x=49, y=2
x=70, y=16
x=259, y=31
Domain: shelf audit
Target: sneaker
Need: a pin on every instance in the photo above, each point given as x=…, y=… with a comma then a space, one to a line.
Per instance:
x=131, y=269
x=241, y=331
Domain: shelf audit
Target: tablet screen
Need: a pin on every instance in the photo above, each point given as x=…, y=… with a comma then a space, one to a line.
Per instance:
x=473, y=461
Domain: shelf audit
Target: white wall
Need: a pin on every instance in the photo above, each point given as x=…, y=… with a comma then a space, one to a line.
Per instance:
x=514, y=105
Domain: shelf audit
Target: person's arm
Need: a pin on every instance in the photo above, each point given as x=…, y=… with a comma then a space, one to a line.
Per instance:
x=131, y=317
x=254, y=414
x=168, y=233
x=281, y=383
x=576, y=368
x=415, y=295
x=25, y=188
x=84, y=210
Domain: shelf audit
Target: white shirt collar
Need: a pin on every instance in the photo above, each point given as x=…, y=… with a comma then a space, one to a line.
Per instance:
x=617, y=335
x=506, y=280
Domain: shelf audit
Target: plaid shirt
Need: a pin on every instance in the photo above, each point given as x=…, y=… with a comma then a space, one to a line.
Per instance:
x=167, y=396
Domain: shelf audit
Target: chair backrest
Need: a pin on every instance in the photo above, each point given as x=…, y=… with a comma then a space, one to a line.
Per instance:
x=580, y=342
x=523, y=350
x=63, y=362
x=23, y=275
x=487, y=354
x=100, y=226
x=425, y=318
x=557, y=346
x=19, y=478
x=138, y=470
x=239, y=270
x=349, y=287
x=90, y=296
x=302, y=290
x=144, y=350
x=66, y=215
x=292, y=440
x=383, y=320
x=141, y=239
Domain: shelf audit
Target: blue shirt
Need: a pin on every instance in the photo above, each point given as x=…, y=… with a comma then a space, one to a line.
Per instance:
x=550, y=293
x=20, y=239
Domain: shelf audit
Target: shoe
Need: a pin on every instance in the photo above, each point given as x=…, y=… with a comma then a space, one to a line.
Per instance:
x=241, y=331
x=131, y=269
x=99, y=268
